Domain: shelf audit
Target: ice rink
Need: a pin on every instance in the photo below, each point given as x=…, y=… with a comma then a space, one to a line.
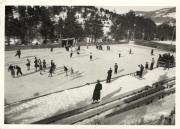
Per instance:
x=32, y=84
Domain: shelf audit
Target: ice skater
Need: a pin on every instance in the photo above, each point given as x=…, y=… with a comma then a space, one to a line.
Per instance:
x=72, y=71
x=40, y=68
x=115, y=68
x=44, y=65
x=66, y=70
x=18, y=70
x=50, y=71
x=18, y=53
x=119, y=54
x=28, y=64
x=146, y=66
x=53, y=66
x=152, y=52
x=97, y=92
x=152, y=64
x=51, y=49
x=130, y=51
x=71, y=53
x=90, y=56
x=11, y=69
x=108, y=80
x=141, y=71
x=36, y=64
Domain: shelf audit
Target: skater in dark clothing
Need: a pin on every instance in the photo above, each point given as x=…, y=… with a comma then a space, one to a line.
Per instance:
x=152, y=64
x=53, y=66
x=11, y=69
x=36, y=64
x=44, y=65
x=18, y=53
x=97, y=92
x=141, y=70
x=40, y=68
x=119, y=54
x=90, y=56
x=152, y=52
x=130, y=51
x=18, y=70
x=66, y=70
x=146, y=66
x=108, y=80
x=71, y=53
x=28, y=64
x=50, y=72
x=115, y=68
x=138, y=70
x=51, y=49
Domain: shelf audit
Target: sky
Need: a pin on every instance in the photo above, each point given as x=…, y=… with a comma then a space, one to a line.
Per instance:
x=125, y=9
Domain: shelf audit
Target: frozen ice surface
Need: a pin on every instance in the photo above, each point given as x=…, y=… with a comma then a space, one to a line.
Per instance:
x=85, y=71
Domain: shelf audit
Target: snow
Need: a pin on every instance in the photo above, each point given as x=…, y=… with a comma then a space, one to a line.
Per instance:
x=166, y=42
x=86, y=71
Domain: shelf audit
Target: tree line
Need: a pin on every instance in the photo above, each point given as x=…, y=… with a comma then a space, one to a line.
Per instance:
x=27, y=22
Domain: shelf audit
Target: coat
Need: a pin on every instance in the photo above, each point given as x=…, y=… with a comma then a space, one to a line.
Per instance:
x=96, y=94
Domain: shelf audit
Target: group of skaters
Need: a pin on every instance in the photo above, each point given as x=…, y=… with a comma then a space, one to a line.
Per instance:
x=99, y=47
x=109, y=73
x=166, y=60
x=15, y=70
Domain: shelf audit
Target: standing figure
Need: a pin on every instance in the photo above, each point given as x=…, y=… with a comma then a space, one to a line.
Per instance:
x=91, y=56
x=53, y=66
x=72, y=71
x=51, y=49
x=152, y=52
x=28, y=64
x=71, y=53
x=18, y=53
x=146, y=66
x=141, y=70
x=152, y=64
x=50, y=72
x=44, y=65
x=11, y=69
x=40, y=68
x=130, y=51
x=36, y=64
x=18, y=70
x=108, y=80
x=119, y=54
x=115, y=68
x=66, y=70
x=97, y=92
x=138, y=70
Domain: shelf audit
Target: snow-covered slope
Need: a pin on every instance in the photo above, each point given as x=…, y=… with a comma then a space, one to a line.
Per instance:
x=160, y=16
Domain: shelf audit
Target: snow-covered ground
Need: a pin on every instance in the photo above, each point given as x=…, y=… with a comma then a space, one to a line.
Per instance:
x=166, y=42
x=86, y=71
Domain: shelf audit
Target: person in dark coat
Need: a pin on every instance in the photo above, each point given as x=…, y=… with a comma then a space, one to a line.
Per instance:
x=50, y=72
x=71, y=53
x=18, y=53
x=115, y=68
x=51, y=49
x=28, y=64
x=97, y=92
x=18, y=70
x=119, y=54
x=141, y=70
x=66, y=70
x=53, y=66
x=44, y=65
x=146, y=66
x=152, y=52
x=11, y=69
x=152, y=64
x=36, y=64
x=130, y=51
x=40, y=68
x=91, y=56
x=108, y=80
